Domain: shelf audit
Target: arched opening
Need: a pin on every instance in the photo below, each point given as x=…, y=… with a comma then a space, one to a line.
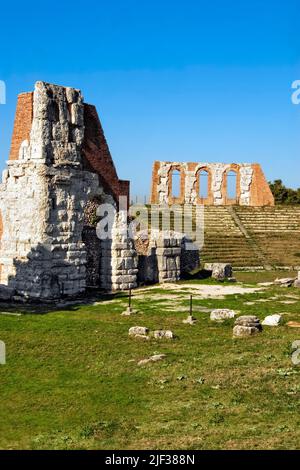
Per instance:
x=176, y=183
x=203, y=184
x=92, y=243
x=231, y=184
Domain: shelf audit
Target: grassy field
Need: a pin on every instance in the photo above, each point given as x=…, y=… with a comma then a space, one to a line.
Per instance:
x=72, y=381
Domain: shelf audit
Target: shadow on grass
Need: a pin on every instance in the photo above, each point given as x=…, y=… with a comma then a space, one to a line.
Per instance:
x=42, y=308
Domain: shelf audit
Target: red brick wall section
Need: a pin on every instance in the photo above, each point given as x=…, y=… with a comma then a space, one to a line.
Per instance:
x=155, y=182
x=261, y=194
x=97, y=157
x=22, y=125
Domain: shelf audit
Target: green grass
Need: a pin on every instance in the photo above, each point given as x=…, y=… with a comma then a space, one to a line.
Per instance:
x=72, y=381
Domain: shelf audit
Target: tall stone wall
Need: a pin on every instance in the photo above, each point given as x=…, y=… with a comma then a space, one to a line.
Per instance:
x=252, y=188
x=45, y=189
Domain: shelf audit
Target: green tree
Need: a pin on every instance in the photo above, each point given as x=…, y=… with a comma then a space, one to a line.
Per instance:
x=284, y=195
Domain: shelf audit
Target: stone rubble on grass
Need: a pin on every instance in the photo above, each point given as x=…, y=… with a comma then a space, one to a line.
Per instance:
x=221, y=314
x=159, y=334
x=141, y=332
x=219, y=271
x=154, y=358
x=272, y=320
x=138, y=330
x=284, y=282
x=246, y=325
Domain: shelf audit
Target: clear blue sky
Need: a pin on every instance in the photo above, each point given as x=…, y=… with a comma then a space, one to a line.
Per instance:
x=172, y=80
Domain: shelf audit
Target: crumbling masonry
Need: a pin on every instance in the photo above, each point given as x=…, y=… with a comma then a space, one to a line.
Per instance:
x=252, y=188
x=59, y=163
x=59, y=171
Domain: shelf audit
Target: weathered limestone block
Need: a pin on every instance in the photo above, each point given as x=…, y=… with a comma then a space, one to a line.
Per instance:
x=220, y=271
x=138, y=330
x=247, y=325
x=285, y=282
x=218, y=170
x=161, y=334
x=246, y=175
x=222, y=314
x=242, y=331
x=154, y=358
x=272, y=320
x=168, y=253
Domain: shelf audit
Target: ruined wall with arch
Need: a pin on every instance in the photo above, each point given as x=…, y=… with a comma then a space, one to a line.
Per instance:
x=59, y=162
x=251, y=186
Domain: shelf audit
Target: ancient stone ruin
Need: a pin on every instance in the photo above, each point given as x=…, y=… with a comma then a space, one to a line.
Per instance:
x=59, y=164
x=59, y=171
x=207, y=184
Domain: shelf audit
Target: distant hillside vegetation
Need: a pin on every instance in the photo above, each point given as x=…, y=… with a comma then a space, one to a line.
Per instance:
x=284, y=195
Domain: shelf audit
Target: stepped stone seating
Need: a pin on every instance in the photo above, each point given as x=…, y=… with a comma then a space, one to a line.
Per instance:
x=273, y=235
x=224, y=242
x=276, y=230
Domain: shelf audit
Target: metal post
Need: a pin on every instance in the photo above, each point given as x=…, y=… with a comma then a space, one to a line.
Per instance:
x=190, y=319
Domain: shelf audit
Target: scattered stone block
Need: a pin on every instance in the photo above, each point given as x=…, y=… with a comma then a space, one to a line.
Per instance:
x=219, y=271
x=138, y=330
x=221, y=314
x=154, y=358
x=160, y=334
x=272, y=320
x=284, y=282
x=246, y=325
